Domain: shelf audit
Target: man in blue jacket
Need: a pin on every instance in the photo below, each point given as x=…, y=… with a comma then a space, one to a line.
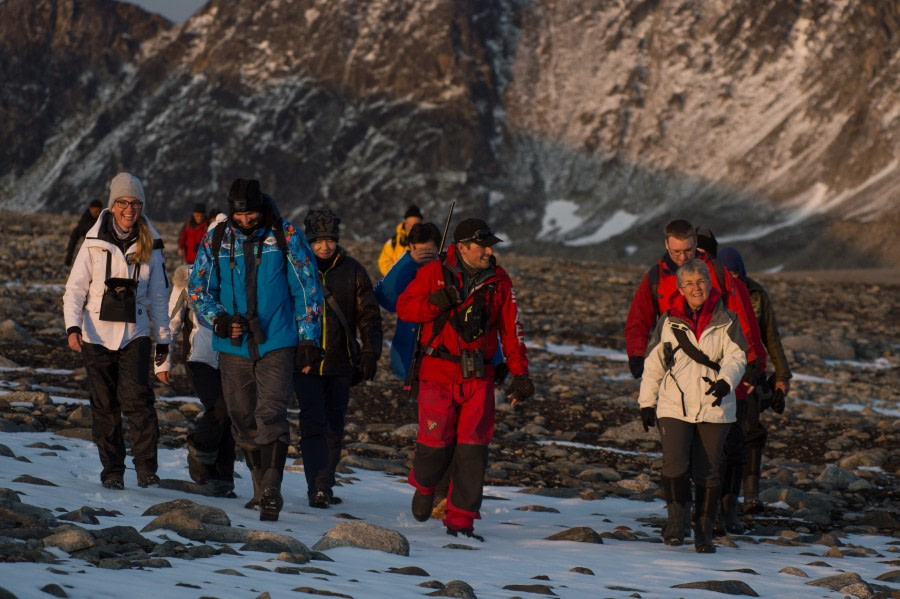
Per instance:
x=423, y=240
x=254, y=284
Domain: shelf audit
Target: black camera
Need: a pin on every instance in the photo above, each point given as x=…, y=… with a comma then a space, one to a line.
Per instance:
x=472, y=363
x=238, y=319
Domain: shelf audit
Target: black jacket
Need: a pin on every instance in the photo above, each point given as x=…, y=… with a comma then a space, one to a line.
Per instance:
x=351, y=287
x=81, y=229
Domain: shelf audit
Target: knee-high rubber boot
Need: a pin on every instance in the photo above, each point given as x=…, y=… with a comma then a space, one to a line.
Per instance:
x=752, y=504
x=254, y=463
x=274, y=455
x=707, y=506
x=731, y=489
x=678, y=493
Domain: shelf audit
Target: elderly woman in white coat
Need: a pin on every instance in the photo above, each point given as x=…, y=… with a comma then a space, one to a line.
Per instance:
x=695, y=358
x=117, y=287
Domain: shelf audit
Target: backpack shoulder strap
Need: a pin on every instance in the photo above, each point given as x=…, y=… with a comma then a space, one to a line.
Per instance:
x=278, y=232
x=216, y=244
x=693, y=352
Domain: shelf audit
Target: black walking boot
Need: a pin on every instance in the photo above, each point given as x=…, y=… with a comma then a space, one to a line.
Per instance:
x=707, y=506
x=274, y=456
x=678, y=493
x=729, y=522
x=254, y=463
x=752, y=504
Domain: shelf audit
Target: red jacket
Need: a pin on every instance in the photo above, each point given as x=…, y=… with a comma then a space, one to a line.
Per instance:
x=642, y=315
x=413, y=306
x=190, y=238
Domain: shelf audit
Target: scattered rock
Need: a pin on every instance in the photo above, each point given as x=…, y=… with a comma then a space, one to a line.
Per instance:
x=364, y=536
x=580, y=534
x=728, y=587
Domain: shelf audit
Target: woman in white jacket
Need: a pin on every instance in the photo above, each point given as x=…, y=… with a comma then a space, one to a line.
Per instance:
x=695, y=358
x=110, y=325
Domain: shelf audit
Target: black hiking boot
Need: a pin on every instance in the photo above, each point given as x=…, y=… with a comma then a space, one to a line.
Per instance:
x=270, y=504
x=707, y=508
x=421, y=506
x=116, y=483
x=319, y=500
x=465, y=532
x=147, y=479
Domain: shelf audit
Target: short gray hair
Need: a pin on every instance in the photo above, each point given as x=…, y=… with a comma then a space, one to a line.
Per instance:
x=695, y=266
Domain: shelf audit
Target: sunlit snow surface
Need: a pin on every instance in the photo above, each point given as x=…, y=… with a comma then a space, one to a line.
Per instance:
x=515, y=550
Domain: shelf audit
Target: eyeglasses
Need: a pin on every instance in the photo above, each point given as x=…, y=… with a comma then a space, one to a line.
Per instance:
x=479, y=235
x=123, y=204
x=698, y=283
x=686, y=252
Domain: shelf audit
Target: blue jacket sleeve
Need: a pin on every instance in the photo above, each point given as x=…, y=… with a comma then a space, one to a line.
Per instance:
x=303, y=281
x=388, y=289
x=203, y=288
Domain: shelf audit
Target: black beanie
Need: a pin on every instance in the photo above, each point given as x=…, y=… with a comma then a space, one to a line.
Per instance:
x=321, y=224
x=245, y=196
x=413, y=211
x=706, y=241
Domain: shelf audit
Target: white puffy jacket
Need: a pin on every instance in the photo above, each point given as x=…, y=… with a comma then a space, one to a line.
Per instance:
x=201, y=349
x=722, y=341
x=86, y=283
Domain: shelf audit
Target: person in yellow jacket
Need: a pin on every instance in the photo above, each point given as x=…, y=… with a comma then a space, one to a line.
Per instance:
x=396, y=246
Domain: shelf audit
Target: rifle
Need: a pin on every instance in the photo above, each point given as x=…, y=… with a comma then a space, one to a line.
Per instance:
x=412, y=374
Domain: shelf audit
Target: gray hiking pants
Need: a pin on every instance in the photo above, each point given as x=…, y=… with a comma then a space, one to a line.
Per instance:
x=257, y=394
x=694, y=445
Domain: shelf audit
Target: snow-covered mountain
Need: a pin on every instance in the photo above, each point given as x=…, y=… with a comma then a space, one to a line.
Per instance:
x=575, y=127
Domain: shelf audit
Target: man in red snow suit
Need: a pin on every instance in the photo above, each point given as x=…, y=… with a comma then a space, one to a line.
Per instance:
x=463, y=302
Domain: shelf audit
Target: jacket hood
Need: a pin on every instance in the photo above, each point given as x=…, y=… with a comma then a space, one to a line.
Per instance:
x=733, y=261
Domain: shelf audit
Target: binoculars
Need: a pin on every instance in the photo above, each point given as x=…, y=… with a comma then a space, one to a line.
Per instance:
x=472, y=363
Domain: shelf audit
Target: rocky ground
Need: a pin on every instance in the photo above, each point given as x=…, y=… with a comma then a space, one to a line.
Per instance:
x=832, y=460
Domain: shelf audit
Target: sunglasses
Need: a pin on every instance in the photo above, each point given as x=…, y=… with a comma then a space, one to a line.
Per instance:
x=480, y=235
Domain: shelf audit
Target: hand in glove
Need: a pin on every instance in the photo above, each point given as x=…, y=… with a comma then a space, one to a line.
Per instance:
x=309, y=356
x=222, y=325
x=636, y=366
x=717, y=389
x=752, y=375
x=778, y=403
x=445, y=297
x=648, y=418
x=520, y=388
x=369, y=365
x=162, y=352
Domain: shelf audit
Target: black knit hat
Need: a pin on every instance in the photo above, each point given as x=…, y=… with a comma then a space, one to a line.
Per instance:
x=413, y=211
x=199, y=208
x=245, y=196
x=706, y=241
x=95, y=204
x=321, y=224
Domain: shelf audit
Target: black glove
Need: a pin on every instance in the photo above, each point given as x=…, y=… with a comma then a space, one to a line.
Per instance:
x=501, y=372
x=445, y=297
x=369, y=365
x=778, y=403
x=718, y=389
x=648, y=418
x=222, y=325
x=752, y=375
x=636, y=366
x=162, y=352
x=309, y=354
x=520, y=387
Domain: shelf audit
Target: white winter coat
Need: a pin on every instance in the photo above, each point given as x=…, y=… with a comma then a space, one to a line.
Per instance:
x=201, y=349
x=85, y=286
x=722, y=341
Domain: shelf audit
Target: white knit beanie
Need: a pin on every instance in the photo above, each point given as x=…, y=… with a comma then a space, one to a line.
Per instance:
x=125, y=185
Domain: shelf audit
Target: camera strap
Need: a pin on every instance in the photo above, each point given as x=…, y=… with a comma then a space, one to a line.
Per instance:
x=355, y=351
x=134, y=276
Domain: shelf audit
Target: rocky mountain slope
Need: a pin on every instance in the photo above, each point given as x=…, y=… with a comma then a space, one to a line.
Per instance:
x=775, y=123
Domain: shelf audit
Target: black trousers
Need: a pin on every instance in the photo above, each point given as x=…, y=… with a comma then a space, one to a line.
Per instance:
x=120, y=385
x=323, y=409
x=212, y=432
x=697, y=446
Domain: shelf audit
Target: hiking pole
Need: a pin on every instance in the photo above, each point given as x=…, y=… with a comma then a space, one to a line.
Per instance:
x=413, y=373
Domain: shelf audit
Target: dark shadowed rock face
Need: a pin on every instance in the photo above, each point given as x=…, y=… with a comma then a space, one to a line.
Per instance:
x=741, y=116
